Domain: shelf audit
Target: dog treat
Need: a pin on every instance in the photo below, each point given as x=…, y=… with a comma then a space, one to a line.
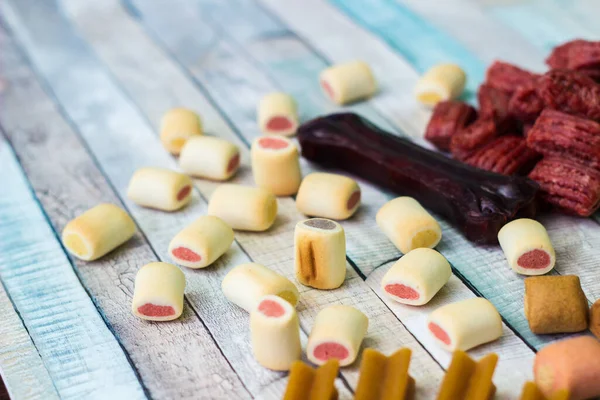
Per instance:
x=275, y=333
x=158, y=293
x=494, y=105
x=556, y=134
x=527, y=247
x=416, y=277
x=320, y=253
x=592, y=73
x=569, y=186
x=448, y=117
x=245, y=284
x=595, y=319
x=337, y=333
x=465, y=324
x=306, y=383
x=199, y=244
x=210, y=158
x=467, y=379
x=570, y=92
x=385, y=378
x=477, y=202
x=408, y=225
x=576, y=54
x=555, y=304
x=572, y=365
x=439, y=83
x=328, y=195
x=99, y=230
x=177, y=126
x=532, y=392
x=506, y=155
x=160, y=188
x=526, y=104
x=469, y=139
x=277, y=114
x=507, y=77
x=348, y=82
x=276, y=165
x=243, y=207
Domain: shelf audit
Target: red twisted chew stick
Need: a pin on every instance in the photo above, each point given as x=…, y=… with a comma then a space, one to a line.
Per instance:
x=477, y=202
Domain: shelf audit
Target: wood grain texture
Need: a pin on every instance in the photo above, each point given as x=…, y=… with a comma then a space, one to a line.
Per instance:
x=178, y=359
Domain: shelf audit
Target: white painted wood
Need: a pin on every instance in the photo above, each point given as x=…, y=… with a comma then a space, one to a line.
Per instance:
x=178, y=359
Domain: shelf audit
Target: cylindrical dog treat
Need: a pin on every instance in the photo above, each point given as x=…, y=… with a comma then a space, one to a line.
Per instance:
x=348, y=82
x=416, y=277
x=199, y=244
x=328, y=196
x=245, y=284
x=276, y=165
x=572, y=365
x=177, y=126
x=408, y=225
x=527, y=247
x=277, y=114
x=160, y=188
x=337, y=333
x=595, y=319
x=97, y=231
x=555, y=304
x=465, y=324
x=243, y=207
x=158, y=293
x=210, y=158
x=320, y=253
x=275, y=333
x=441, y=82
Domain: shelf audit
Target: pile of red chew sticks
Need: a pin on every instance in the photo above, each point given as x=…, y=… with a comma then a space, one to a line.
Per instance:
x=544, y=126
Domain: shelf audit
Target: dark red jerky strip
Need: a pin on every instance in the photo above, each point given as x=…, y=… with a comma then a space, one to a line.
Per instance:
x=592, y=73
x=505, y=155
x=571, y=92
x=493, y=104
x=559, y=134
x=507, y=77
x=448, y=117
x=576, y=54
x=465, y=141
x=525, y=105
x=569, y=186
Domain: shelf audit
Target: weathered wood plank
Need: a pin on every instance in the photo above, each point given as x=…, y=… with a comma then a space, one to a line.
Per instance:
x=175, y=360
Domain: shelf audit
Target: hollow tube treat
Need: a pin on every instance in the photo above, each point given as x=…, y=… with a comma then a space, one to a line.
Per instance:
x=532, y=392
x=177, y=126
x=246, y=284
x=202, y=242
x=276, y=165
x=465, y=324
x=306, y=383
x=467, y=379
x=572, y=365
x=348, y=82
x=555, y=304
x=210, y=158
x=327, y=195
x=416, y=277
x=385, y=378
x=595, y=319
x=477, y=202
x=275, y=333
x=527, y=247
x=158, y=293
x=441, y=82
x=278, y=114
x=160, y=188
x=408, y=225
x=337, y=333
x=98, y=231
x=243, y=207
x=320, y=253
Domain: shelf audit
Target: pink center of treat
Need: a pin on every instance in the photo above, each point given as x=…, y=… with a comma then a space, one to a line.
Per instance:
x=183, y=193
x=328, y=350
x=183, y=253
x=279, y=124
x=271, y=308
x=328, y=89
x=439, y=333
x=272, y=143
x=152, y=310
x=534, y=259
x=402, y=291
x=353, y=200
x=233, y=163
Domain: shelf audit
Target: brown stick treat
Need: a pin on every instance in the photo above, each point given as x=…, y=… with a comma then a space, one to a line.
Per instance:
x=555, y=304
x=595, y=319
x=385, y=378
x=467, y=379
x=306, y=383
x=532, y=392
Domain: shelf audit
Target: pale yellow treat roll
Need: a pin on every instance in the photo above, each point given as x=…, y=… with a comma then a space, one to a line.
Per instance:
x=348, y=82
x=177, y=126
x=158, y=294
x=276, y=165
x=210, y=158
x=278, y=114
x=243, y=207
x=328, y=196
x=160, y=188
x=441, y=82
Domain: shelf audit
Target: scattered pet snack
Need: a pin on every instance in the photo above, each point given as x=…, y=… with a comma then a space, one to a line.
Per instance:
x=506, y=155
x=306, y=383
x=595, y=319
x=160, y=188
x=532, y=392
x=278, y=114
x=210, y=158
x=385, y=378
x=507, y=77
x=276, y=165
x=441, y=82
x=158, y=293
x=571, y=92
x=527, y=247
x=177, y=126
x=349, y=82
x=467, y=379
x=328, y=196
x=577, y=54
x=447, y=119
x=243, y=207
